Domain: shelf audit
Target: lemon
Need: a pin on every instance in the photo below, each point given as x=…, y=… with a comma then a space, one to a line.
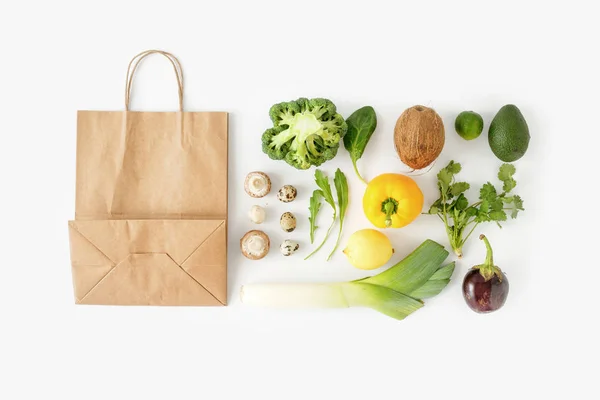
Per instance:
x=469, y=125
x=368, y=249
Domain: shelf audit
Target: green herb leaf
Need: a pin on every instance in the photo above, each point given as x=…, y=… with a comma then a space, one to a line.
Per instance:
x=457, y=214
x=314, y=207
x=488, y=192
x=446, y=176
x=485, y=206
x=461, y=203
x=482, y=217
x=459, y=187
x=506, y=172
x=506, y=176
x=444, y=179
x=497, y=205
x=517, y=205
x=454, y=168
x=433, y=209
x=470, y=212
x=323, y=183
x=361, y=125
x=341, y=188
x=498, y=215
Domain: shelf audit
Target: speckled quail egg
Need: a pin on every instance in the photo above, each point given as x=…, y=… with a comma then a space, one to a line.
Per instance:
x=287, y=222
x=287, y=194
x=288, y=247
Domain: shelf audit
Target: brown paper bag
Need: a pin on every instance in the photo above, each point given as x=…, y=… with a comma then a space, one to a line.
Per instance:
x=151, y=205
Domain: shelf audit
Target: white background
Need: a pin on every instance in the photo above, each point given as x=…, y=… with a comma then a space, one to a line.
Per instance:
x=59, y=56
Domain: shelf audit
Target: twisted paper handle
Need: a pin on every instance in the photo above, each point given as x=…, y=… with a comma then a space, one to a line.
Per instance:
x=134, y=63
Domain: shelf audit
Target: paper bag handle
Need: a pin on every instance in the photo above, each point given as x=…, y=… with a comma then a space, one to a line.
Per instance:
x=135, y=62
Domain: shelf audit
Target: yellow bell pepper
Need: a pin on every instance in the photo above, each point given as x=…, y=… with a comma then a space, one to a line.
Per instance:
x=392, y=201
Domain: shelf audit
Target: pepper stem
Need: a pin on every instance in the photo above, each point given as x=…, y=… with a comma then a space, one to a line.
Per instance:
x=389, y=207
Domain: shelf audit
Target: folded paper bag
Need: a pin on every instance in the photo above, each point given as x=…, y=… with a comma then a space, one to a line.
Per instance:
x=151, y=204
x=149, y=262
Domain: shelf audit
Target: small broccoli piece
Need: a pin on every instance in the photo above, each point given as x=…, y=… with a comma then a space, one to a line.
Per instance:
x=305, y=132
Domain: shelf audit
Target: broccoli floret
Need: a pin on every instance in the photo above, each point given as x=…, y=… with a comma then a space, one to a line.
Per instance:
x=305, y=132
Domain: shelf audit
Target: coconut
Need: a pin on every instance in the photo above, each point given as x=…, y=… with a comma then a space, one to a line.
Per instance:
x=419, y=136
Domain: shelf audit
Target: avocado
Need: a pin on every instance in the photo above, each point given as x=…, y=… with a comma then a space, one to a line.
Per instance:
x=509, y=135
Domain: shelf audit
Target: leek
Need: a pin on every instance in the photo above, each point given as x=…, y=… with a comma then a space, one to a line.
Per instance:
x=396, y=292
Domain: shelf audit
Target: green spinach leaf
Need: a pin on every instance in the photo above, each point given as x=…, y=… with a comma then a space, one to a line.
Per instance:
x=361, y=125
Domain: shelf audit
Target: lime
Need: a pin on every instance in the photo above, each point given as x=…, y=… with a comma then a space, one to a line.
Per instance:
x=469, y=125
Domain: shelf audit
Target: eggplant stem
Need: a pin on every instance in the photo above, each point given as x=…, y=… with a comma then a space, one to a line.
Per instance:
x=489, y=257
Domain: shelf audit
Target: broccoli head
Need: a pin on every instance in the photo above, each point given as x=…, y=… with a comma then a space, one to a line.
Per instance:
x=304, y=133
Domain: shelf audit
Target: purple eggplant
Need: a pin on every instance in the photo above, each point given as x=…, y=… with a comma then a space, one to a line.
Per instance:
x=485, y=287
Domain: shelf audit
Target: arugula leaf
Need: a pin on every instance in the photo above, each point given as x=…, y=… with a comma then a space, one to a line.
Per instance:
x=314, y=207
x=341, y=188
x=361, y=125
x=322, y=182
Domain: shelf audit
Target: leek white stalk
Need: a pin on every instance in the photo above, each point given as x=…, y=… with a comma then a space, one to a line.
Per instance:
x=294, y=295
x=396, y=292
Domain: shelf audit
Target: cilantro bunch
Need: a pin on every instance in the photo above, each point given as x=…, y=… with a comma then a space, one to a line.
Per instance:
x=460, y=217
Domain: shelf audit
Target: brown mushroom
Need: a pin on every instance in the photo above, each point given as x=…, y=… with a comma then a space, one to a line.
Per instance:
x=257, y=214
x=257, y=184
x=255, y=245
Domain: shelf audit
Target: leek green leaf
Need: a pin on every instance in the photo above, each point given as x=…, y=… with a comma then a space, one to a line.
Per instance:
x=414, y=270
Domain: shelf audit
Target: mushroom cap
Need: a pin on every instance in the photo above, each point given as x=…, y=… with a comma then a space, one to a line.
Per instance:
x=255, y=245
x=257, y=184
x=287, y=193
x=257, y=214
